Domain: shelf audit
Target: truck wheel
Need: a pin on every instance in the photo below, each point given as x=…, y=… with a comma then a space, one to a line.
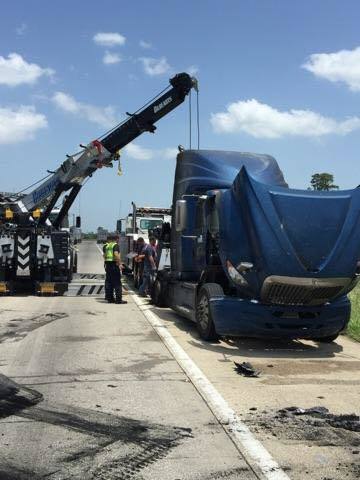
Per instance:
x=328, y=339
x=204, y=322
x=69, y=276
x=75, y=263
x=158, y=293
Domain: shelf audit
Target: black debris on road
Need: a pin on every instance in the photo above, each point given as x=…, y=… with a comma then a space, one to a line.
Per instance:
x=246, y=369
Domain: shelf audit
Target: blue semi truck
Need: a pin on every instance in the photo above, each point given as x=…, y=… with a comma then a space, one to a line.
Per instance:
x=252, y=257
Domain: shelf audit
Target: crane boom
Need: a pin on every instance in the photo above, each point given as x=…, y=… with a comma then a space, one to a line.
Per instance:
x=101, y=152
x=39, y=252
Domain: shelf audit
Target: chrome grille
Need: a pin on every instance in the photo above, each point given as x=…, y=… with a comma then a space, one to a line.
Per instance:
x=301, y=291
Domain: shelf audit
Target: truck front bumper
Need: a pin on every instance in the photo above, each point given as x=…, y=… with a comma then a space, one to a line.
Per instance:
x=237, y=317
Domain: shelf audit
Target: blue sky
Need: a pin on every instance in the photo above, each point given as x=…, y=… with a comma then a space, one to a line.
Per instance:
x=276, y=77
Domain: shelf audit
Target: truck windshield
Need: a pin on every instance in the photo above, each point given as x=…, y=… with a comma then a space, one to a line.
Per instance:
x=149, y=224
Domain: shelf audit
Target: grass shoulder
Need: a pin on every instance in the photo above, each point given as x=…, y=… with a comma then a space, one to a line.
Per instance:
x=353, y=329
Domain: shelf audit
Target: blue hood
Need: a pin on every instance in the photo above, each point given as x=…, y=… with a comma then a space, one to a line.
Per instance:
x=289, y=232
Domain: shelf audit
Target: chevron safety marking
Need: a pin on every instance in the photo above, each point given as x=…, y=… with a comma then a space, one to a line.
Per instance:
x=24, y=241
x=23, y=251
x=23, y=256
x=78, y=290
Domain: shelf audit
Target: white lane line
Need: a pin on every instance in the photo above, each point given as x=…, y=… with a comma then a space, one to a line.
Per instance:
x=253, y=451
x=100, y=250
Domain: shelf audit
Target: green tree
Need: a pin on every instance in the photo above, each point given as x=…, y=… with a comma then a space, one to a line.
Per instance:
x=323, y=181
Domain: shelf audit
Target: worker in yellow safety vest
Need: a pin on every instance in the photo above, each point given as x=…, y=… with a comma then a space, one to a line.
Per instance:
x=112, y=261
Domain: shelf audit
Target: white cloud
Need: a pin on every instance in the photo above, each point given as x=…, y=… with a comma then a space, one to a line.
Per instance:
x=19, y=124
x=103, y=116
x=169, y=153
x=192, y=70
x=342, y=66
x=14, y=71
x=155, y=66
x=263, y=121
x=145, y=45
x=109, y=39
x=21, y=29
x=111, y=58
x=138, y=153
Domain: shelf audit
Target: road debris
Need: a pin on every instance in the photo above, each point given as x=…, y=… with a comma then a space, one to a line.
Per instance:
x=346, y=421
x=246, y=369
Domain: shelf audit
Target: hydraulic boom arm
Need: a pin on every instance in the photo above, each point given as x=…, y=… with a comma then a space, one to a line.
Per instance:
x=101, y=152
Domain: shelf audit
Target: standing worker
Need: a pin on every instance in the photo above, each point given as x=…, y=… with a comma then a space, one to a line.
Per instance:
x=111, y=253
x=149, y=256
x=138, y=262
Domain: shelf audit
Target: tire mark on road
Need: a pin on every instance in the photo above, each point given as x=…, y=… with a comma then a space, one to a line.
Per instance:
x=134, y=444
x=18, y=327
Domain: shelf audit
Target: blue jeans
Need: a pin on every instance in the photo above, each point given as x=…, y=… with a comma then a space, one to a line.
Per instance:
x=146, y=282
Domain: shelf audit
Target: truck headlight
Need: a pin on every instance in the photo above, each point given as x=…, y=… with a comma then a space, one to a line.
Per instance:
x=235, y=276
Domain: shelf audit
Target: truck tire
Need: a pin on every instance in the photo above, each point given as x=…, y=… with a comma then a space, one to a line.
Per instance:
x=328, y=339
x=75, y=263
x=204, y=322
x=69, y=275
x=158, y=293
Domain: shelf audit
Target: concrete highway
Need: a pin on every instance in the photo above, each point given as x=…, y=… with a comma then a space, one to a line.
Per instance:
x=90, y=390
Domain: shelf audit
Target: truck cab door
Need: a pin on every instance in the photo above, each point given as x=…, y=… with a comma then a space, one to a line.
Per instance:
x=189, y=255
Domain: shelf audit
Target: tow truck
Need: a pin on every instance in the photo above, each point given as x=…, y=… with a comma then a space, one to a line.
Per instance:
x=33, y=249
x=141, y=222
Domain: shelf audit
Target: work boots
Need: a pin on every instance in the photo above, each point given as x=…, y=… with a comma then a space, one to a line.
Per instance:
x=118, y=297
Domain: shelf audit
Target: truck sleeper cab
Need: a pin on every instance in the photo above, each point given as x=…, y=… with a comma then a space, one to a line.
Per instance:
x=251, y=257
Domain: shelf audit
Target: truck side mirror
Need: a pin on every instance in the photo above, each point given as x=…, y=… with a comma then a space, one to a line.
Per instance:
x=181, y=215
x=78, y=222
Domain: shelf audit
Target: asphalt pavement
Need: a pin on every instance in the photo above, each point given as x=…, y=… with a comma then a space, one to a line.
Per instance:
x=90, y=390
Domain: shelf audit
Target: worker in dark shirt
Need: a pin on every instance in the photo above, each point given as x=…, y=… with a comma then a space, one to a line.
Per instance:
x=111, y=253
x=149, y=257
x=138, y=262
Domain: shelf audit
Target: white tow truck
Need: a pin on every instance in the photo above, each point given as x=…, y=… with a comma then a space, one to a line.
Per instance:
x=35, y=250
x=140, y=222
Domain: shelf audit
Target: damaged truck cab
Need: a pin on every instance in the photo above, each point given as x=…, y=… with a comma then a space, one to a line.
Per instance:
x=251, y=257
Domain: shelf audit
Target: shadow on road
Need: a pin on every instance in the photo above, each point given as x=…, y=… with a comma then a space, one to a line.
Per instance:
x=251, y=347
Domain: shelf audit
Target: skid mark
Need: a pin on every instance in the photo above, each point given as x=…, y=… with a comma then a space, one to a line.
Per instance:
x=118, y=447
x=19, y=327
